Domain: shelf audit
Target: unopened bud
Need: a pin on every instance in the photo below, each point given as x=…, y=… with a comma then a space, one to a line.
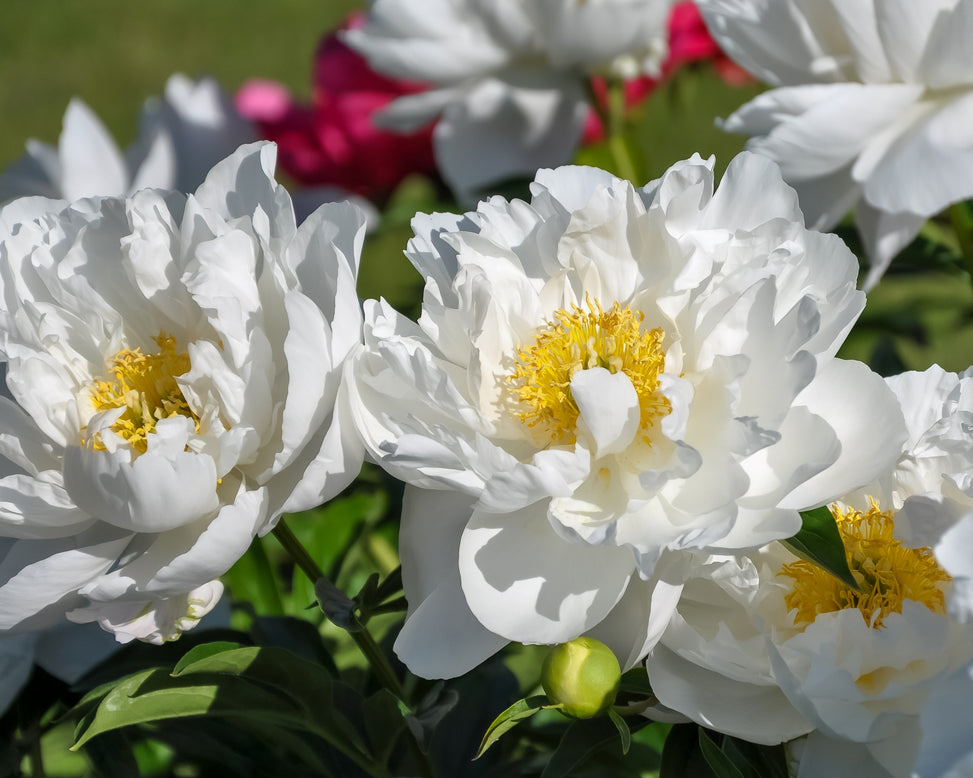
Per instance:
x=582, y=676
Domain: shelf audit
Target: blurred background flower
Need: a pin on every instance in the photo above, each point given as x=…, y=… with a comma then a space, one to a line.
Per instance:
x=333, y=141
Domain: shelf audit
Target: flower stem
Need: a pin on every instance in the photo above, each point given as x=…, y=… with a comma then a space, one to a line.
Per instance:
x=962, y=219
x=363, y=639
x=265, y=579
x=625, y=164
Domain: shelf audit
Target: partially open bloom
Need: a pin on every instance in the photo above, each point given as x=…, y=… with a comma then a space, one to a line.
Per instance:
x=174, y=362
x=872, y=109
x=604, y=381
x=181, y=136
x=508, y=78
x=806, y=653
x=333, y=141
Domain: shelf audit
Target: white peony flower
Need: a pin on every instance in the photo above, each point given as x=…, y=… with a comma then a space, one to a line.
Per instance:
x=508, y=78
x=872, y=110
x=174, y=363
x=805, y=653
x=181, y=136
x=602, y=382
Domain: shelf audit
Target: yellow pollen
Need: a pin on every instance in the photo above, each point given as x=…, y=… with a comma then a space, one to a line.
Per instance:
x=580, y=340
x=887, y=572
x=145, y=385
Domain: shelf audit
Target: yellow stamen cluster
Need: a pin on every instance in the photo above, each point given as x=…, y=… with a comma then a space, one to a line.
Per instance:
x=580, y=340
x=145, y=385
x=886, y=571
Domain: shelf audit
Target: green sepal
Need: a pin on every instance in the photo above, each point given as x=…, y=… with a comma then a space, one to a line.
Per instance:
x=519, y=711
x=623, y=731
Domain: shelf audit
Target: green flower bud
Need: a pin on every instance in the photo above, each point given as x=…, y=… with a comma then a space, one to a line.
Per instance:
x=582, y=676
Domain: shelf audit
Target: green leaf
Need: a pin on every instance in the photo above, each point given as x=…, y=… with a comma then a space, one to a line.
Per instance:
x=636, y=683
x=677, y=754
x=719, y=762
x=202, y=651
x=519, y=711
x=263, y=686
x=581, y=741
x=384, y=723
x=307, y=686
x=819, y=542
x=755, y=760
x=623, y=731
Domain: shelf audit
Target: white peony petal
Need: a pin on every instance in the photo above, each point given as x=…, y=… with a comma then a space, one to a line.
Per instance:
x=608, y=407
x=525, y=583
x=40, y=578
x=867, y=420
x=502, y=130
x=91, y=163
x=150, y=494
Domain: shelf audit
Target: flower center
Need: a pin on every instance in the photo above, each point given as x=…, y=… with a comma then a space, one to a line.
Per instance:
x=145, y=385
x=887, y=572
x=579, y=340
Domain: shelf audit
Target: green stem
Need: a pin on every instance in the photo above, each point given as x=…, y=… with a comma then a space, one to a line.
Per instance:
x=625, y=165
x=363, y=639
x=265, y=578
x=297, y=551
x=959, y=214
x=36, y=757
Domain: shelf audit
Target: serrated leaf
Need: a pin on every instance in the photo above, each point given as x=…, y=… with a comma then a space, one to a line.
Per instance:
x=520, y=710
x=819, y=542
x=623, y=731
x=719, y=762
x=202, y=651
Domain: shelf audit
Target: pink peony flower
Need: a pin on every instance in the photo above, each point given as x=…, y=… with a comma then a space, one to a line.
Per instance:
x=689, y=41
x=333, y=141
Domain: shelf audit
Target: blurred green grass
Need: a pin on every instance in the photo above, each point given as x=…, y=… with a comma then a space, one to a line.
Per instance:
x=114, y=54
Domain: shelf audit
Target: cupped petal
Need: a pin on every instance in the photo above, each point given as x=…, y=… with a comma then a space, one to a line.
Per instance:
x=637, y=622
x=180, y=560
x=441, y=638
x=155, y=621
x=865, y=416
x=526, y=583
x=323, y=469
x=608, y=407
x=715, y=701
x=243, y=185
x=151, y=493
